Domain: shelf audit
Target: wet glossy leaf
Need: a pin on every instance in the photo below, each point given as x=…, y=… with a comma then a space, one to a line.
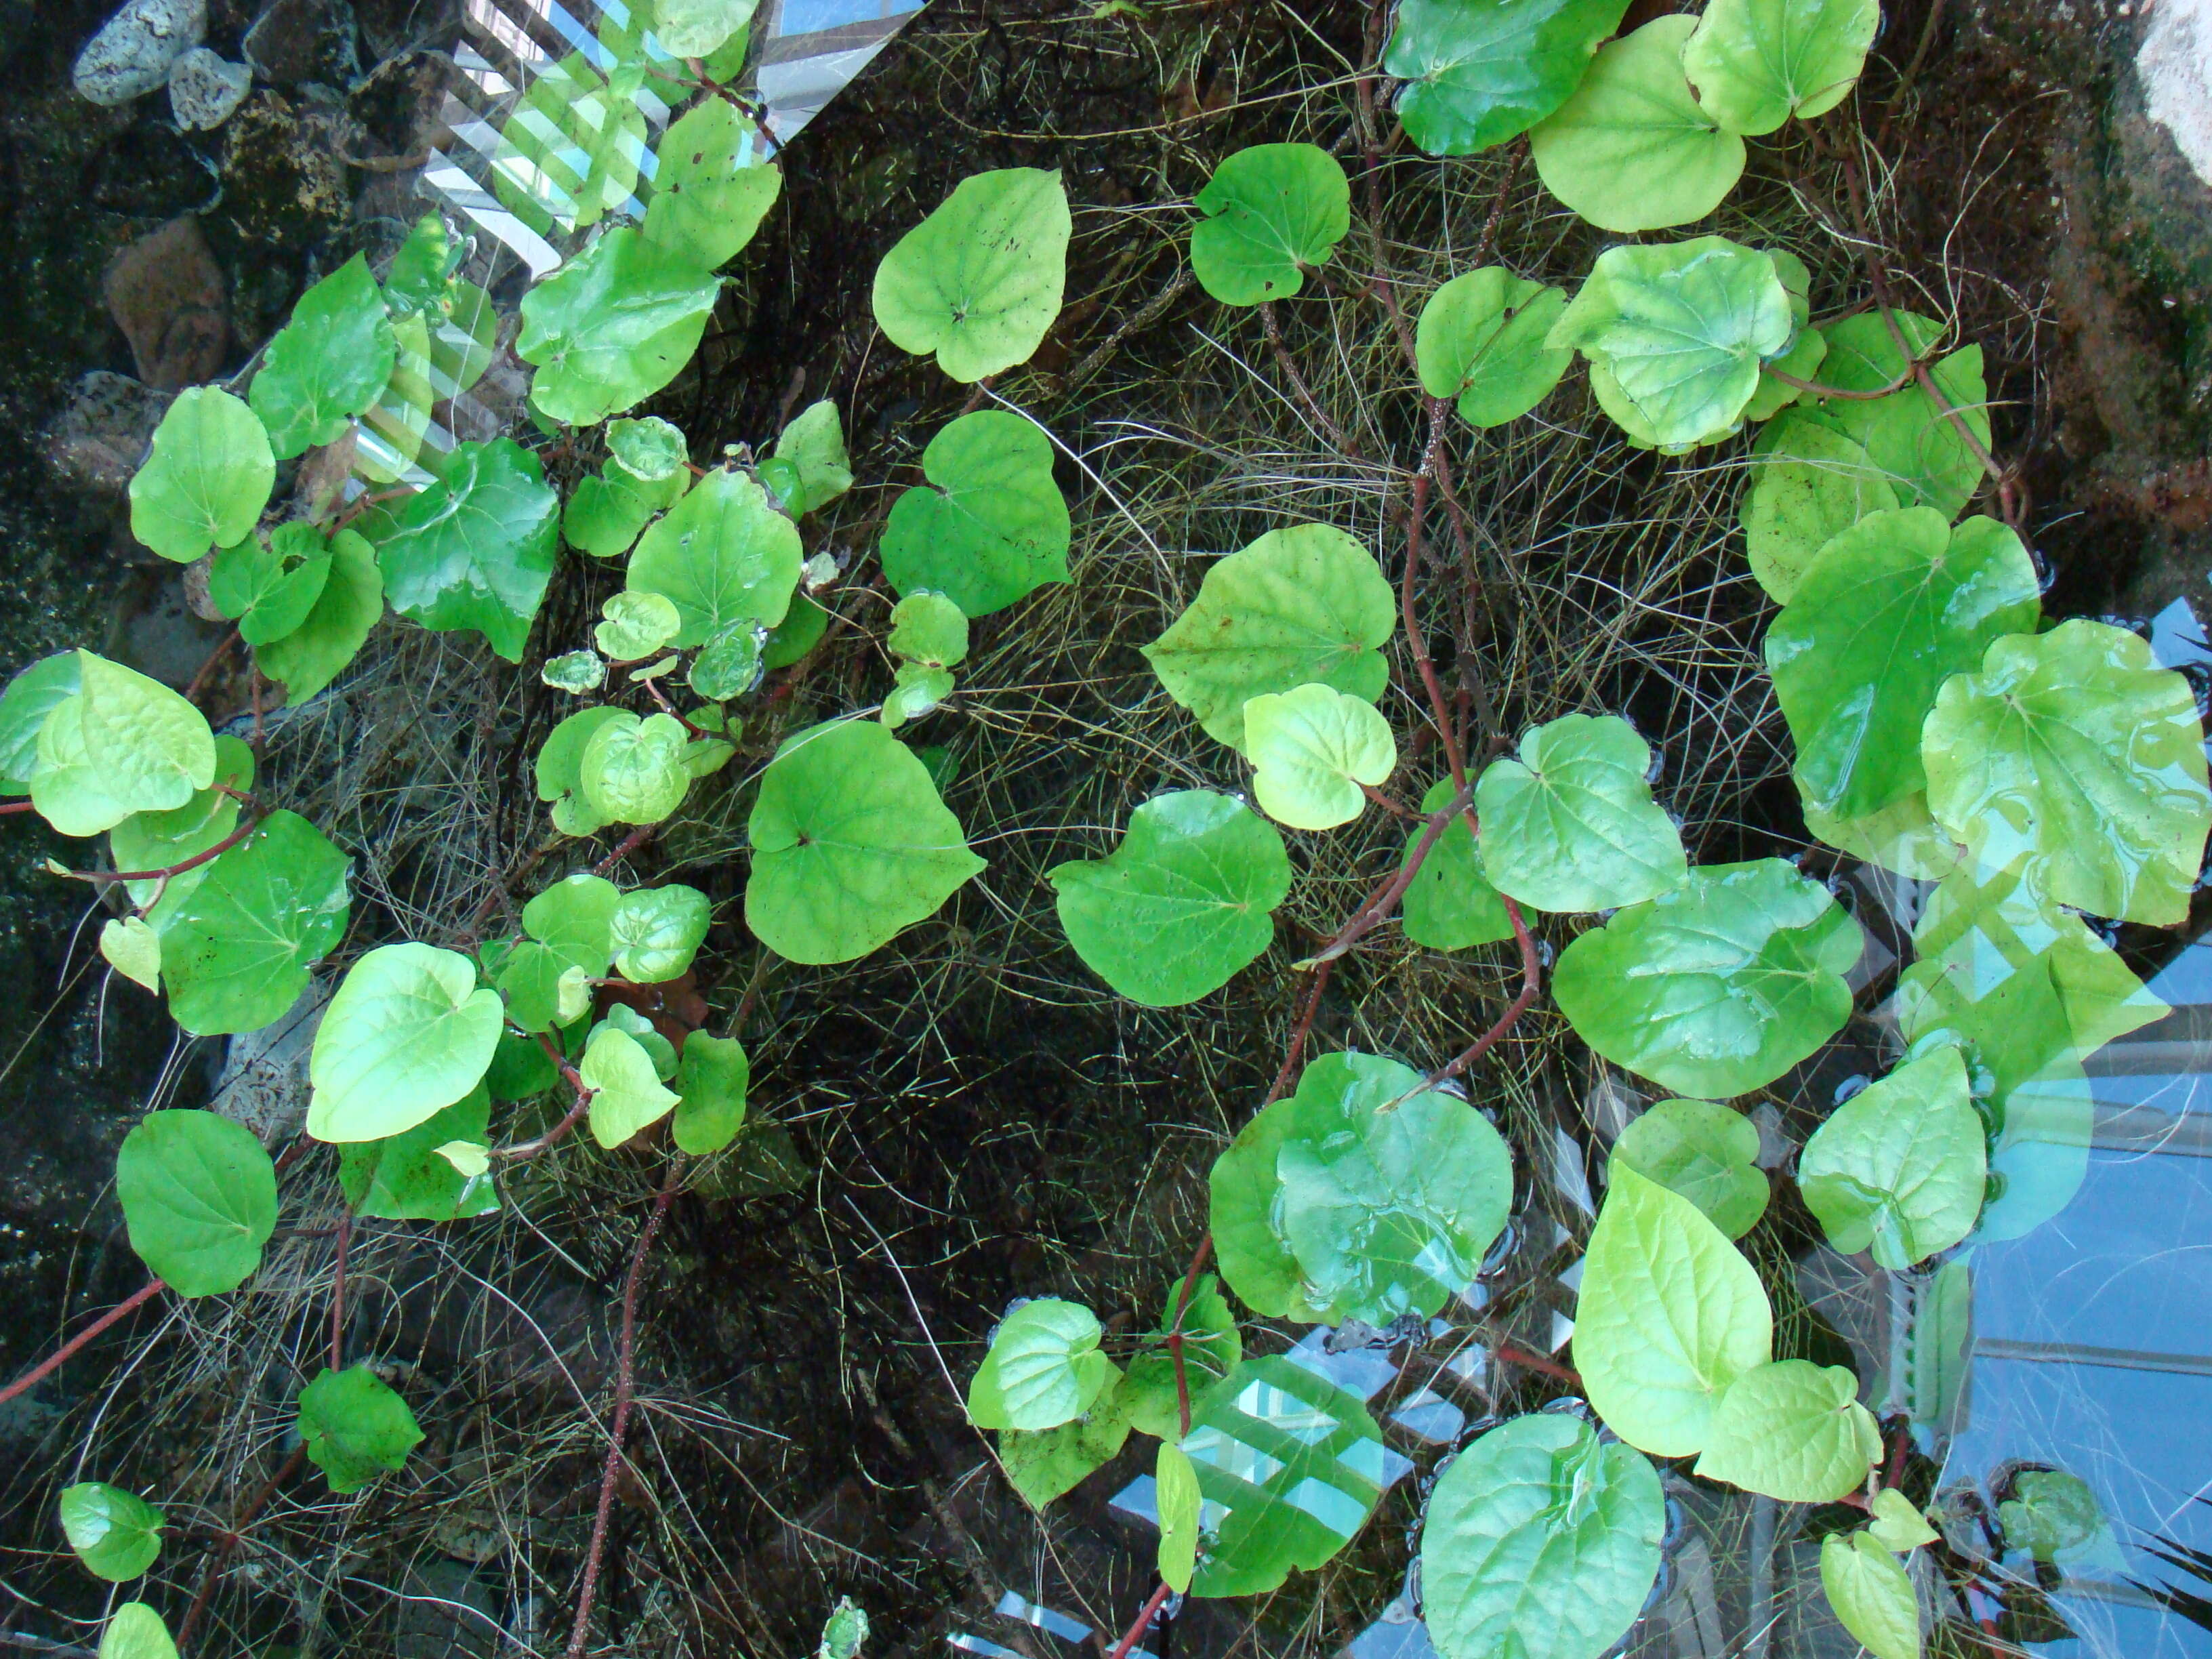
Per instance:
x=657, y=930
x=2055, y=1518
x=1174, y=1487
x=693, y=28
x=1211, y=1346
x=1481, y=340
x=627, y=1092
x=1809, y=482
x=606, y=511
x=31, y=696
x=476, y=548
x=115, y=1534
x=1872, y=1595
x=348, y=606
x=1907, y=436
x=1296, y=1465
x=1450, y=905
x=612, y=326
x=1897, y=1523
x=560, y=768
x=1572, y=825
x=135, y=1631
x=1680, y=328
x=157, y=841
x=711, y=1079
x=990, y=526
x=1886, y=611
x=1716, y=987
x=208, y=478
x=2073, y=751
x=814, y=444
x=1047, y=1463
x=918, y=690
x=637, y=624
x=723, y=555
x=407, y=1033
x=649, y=449
x=1899, y=1167
x=123, y=744
x=356, y=1427
x=1306, y=605
x=713, y=186
x=1043, y=1368
x=1793, y=1430
x=929, y=629
x=199, y=1197
x=1482, y=73
x=327, y=364
x=1703, y=1152
x=1670, y=1315
x=235, y=950
x=851, y=845
x=729, y=664
x=632, y=770
x=1183, y=904
x=1632, y=149
x=1757, y=62
x=1271, y=211
x=407, y=1177
x=1541, y=1541
x=1903, y=837
x=1362, y=1196
x=269, y=592
x=1312, y=748
x=980, y=280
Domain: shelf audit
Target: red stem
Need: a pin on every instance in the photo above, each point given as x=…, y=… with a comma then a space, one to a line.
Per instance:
x=229, y=1541
x=54, y=1361
x=1175, y=1327
x=1135, y=1633
x=1377, y=909
x=1512, y=1353
x=1290, y=367
x=18, y=807
x=559, y=1132
x=1532, y=979
x=337, y=1291
x=105, y=878
x=629, y=844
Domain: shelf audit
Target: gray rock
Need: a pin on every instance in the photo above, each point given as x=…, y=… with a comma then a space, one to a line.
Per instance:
x=2175, y=65
x=102, y=434
x=204, y=89
x=297, y=41
x=135, y=49
x=264, y=1083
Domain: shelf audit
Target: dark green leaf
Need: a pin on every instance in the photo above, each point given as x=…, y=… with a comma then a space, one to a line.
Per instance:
x=356, y=1427
x=476, y=549
x=199, y=1197
x=327, y=364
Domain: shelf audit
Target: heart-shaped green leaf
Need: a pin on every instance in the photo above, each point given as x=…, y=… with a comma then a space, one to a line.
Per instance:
x=406, y=1178
x=208, y=478
x=135, y=1631
x=990, y=526
x=928, y=628
x=575, y=919
x=560, y=768
x=1450, y=905
x=1047, y=1463
x=980, y=280
x=1703, y=1152
x=356, y=1427
x=606, y=511
x=649, y=449
x=123, y=744
x=1183, y=904
x=270, y=591
x=199, y=1197
x=814, y=445
x=409, y=1033
x=1540, y=1541
x=613, y=326
x=1899, y=1524
x=1481, y=340
x=1793, y=1430
x=657, y=930
x=476, y=548
x=1899, y=1167
x=2055, y=1518
x=1271, y=210
x=1670, y=1315
x=133, y=950
x=627, y=1095
x=1908, y=439
x=237, y=946
x=637, y=624
x=1872, y=1595
x=115, y=1534
x=1312, y=749
x=1572, y=824
x=723, y=555
x=1716, y=987
x=632, y=770
x=1043, y=1368
x=350, y=604
x=711, y=1079
x=1757, y=62
x=327, y=364
x=31, y=696
x=1809, y=483
x=1482, y=72
x=713, y=187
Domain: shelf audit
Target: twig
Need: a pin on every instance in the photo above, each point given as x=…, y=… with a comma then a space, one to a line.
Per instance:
x=559, y=1132
x=60, y=1357
x=1532, y=974
x=1813, y=389
x=1298, y=1034
x=107, y=878
x=629, y=844
x=208, y=668
x=1135, y=1633
x=338, y=1291
x=228, y=1542
x=1288, y=364
x=1512, y=1353
x=1377, y=909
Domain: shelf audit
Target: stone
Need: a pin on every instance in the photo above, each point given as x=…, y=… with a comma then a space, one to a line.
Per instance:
x=168, y=296
x=133, y=51
x=285, y=182
x=264, y=1081
x=298, y=40
x=204, y=89
x=2175, y=65
x=103, y=431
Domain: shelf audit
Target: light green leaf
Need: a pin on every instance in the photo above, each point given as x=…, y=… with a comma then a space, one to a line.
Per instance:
x=2055, y=1518
x=1703, y=1152
x=1809, y=482
x=729, y=664
x=980, y=280
x=1885, y=614
x=694, y=29
x=929, y=629
x=1211, y=1346
x=1716, y=987
x=1793, y=1430
x=1450, y=905
x=124, y=743
x=1899, y=1167
x=991, y=527
x=1182, y=905
x=1801, y=361
x=613, y=326
x=560, y=768
x=851, y=845
x=1481, y=340
x=133, y=950
x=1540, y=1541
x=236, y=948
x=31, y=696
x=408, y=1177
x=627, y=1094
x=656, y=931
x=421, y=268
x=1293, y=1463
x=814, y=445
x=135, y=1631
x=1872, y=1595
x=407, y=1033
x=632, y=770
x=711, y=1079
x=1483, y=73
x=575, y=919
x=649, y=449
x=713, y=186
x=1043, y=1368
x=637, y=624
x=1757, y=62
x=269, y=591
x=723, y=555
x=158, y=841
x=844, y=1632
x=327, y=364
x=1633, y=149
x=1300, y=606
x=2073, y=751
x=208, y=478
x=1175, y=1486
x=917, y=692
x=1897, y=1524
x=1670, y=1315
x=639, y=1027
x=529, y=976
x=574, y=672
x=117, y=1535
x=1907, y=437
x=348, y=606
x=1045, y=1463
x=1680, y=329
x=388, y=437
x=476, y=548
x=199, y=1198
x=1903, y=837
x=1270, y=210
x=1312, y=748
x=606, y=511
x=570, y=152
x=470, y=1159
x=1572, y=825
x=356, y=1427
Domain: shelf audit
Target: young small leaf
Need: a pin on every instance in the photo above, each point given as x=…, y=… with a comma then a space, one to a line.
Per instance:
x=1482, y=74
x=1872, y=1595
x=723, y=555
x=575, y=919
x=199, y=1198
x=1899, y=1167
x=710, y=1080
x=1211, y=1346
x=1572, y=824
x=650, y=448
x=574, y=672
x=559, y=770
x=656, y=931
x=270, y=591
x=980, y=280
x=1272, y=211
x=637, y=624
x=1703, y=1152
x=327, y=364
x=1175, y=1481
x=135, y=1631
x=1793, y=1430
x=208, y=478
x=2055, y=1518
x=627, y=1094
x=990, y=526
x=409, y=1033
x=606, y=511
x=356, y=1427
x=408, y=1177
x=1481, y=340
x=1047, y=1463
x=116, y=1535
x=133, y=950
x=350, y=604
x=1043, y=1368
x=1898, y=1524
x=814, y=445
x=713, y=186
x=928, y=628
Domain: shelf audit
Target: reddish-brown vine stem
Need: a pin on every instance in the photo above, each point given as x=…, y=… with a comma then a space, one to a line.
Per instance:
x=1135, y=1633
x=629, y=844
x=1532, y=980
x=1378, y=907
x=60, y=1357
x=1512, y=1353
x=338, y=1291
x=1175, y=1326
x=1288, y=364
x=108, y=878
x=229, y=1541
x=554, y=1136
